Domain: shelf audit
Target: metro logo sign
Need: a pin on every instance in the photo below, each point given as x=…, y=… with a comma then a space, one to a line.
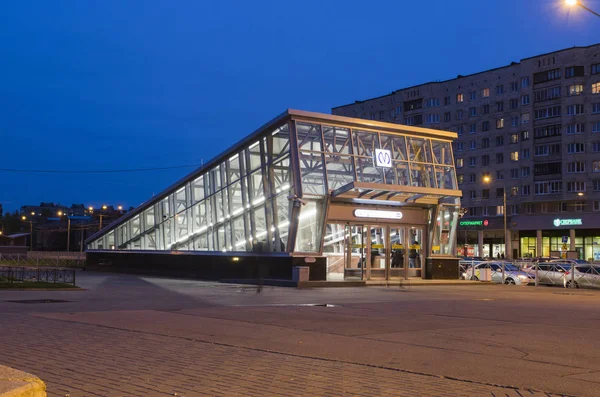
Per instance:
x=383, y=158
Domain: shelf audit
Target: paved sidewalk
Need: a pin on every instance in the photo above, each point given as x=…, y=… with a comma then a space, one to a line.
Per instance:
x=76, y=359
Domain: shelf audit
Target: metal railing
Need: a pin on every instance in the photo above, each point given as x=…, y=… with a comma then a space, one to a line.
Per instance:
x=18, y=275
x=27, y=260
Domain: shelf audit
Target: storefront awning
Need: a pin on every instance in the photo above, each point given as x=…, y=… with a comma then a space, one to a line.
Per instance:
x=397, y=193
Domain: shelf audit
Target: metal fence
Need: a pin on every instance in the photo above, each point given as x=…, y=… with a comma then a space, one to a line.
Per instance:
x=27, y=260
x=564, y=274
x=17, y=275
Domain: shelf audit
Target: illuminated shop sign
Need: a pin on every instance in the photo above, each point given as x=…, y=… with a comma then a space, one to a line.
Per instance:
x=378, y=214
x=483, y=222
x=568, y=222
x=383, y=158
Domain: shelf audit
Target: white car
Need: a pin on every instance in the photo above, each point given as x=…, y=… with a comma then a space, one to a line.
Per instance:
x=512, y=274
x=583, y=276
x=548, y=273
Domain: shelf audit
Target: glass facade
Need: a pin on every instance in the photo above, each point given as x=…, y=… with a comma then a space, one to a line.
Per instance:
x=270, y=193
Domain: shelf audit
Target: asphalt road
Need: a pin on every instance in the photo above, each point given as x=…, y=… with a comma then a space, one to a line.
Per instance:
x=131, y=335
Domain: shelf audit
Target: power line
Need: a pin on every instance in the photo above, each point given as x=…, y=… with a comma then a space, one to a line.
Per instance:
x=25, y=171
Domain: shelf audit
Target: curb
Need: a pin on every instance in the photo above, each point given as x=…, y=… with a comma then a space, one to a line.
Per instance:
x=15, y=383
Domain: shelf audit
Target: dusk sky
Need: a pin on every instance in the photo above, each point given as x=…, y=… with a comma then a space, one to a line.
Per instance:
x=106, y=85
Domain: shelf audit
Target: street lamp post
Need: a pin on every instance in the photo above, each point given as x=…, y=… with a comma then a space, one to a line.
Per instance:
x=60, y=213
x=487, y=179
x=573, y=3
x=24, y=218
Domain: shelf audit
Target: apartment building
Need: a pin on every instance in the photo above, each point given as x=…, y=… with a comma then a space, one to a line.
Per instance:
x=528, y=132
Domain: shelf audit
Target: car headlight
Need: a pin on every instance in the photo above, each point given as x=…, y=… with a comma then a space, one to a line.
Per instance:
x=522, y=277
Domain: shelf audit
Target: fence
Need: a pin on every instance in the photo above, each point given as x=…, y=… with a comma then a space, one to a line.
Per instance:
x=34, y=260
x=564, y=274
x=17, y=275
x=56, y=254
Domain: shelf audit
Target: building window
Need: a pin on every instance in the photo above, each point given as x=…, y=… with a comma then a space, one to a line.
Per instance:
x=595, y=68
x=485, y=160
x=575, y=147
x=525, y=190
x=575, y=89
x=562, y=206
x=499, y=89
x=514, y=103
x=432, y=118
x=514, y=138
x=525, y=118
x=525, y=135
x=547, y=187
x=596, y=88
x=447, y=117
x=432, y=102
x=574, y=109
x=574, y=71
x=499, y=123
x=499, y=106
x=525, y=153
x=472, y=128
x=548, y=75
x=514, y=121
x=545, y=113
x=514, y=173
x=576, y=186
x=485, y=92
x=499, y=140
x=541, y=150
x=485, y=126
x=446, y=101
x=596, y=205
x=525, y=81
x=514, y=86
x=472, y=178
x=473, y=194
x=459, y=163
x=547, y=94
x=460, y=98
x=458, y=114
x=547, y=131
x=485, y=194
x=595, y=166
x=485, y=109
x=499, y=175
x=460, y=178
x=472, y=145
x=472, y=96
x=472, y=112
x=525, y=100
x=596, y=127
x=499, y=210
x=460, y=146
x=577, y=167
x=459, y=130
x=579, y=206
x=514, y=156
x=472, y=161
x=525, y=172
x=499, y=158
x=485, y=143
x=597, y=185
x=514, y=191
x=576, y=128
x=596, y=107
x=543, y=208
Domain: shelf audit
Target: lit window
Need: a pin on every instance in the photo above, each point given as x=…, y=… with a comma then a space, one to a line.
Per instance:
x=499, y=123
x=514, y=156
x=596, y=88
x=486, y=92
x=460, y=98
x=576, y=89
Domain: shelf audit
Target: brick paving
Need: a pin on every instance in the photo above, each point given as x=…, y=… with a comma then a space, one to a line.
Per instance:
x=76, y=359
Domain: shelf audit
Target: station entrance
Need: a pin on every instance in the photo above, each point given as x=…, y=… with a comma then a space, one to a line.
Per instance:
x=374, y=251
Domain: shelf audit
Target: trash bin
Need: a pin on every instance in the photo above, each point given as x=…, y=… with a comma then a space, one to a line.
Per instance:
x=484, y=274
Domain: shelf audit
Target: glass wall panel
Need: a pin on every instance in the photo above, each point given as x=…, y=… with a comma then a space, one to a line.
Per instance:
x=309, y=137
x=166, y=208
x=235, y=193
x=215, y=180
x=257, y=193
x=239, y=234
x=123, y=235
x=444, y=232
x=446, y=178
x=281, y=141
x=283, y=208
x=253, y=157
x=422, y=175
x=198, y=189
x=199, y=216
x=110, y=240
x=419, y=150
x=402, y=173
x=149, y=218
x=310, y=227
x=340, y=170
x=181, y=222
x=227, y=242
x=180, y=200
x=282, y=175
x=149, y=241
x=135, y=226
x=337, y=140
x=367, y=172
x=166, y=226
x=312, y=173
x=395, y=144
x=365, y=143
x=234, y=171
x=200, y=242
x=442, y=152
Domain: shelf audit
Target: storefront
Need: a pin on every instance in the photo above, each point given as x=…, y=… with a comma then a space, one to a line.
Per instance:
x=349, y=198
x=482, y=237
x=559, y=236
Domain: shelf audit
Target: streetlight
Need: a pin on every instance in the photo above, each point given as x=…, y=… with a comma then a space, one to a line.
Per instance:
x=573, y=3
x=488, y=179
x=60, y=213
x=24, y=218
x=120, y=208
x=104, y=207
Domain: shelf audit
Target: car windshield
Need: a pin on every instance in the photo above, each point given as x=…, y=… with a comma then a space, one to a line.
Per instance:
x=511, y=268
x=581, y=262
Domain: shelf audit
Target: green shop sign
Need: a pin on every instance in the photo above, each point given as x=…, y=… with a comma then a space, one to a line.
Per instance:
x=474, y=223
x=567, y=222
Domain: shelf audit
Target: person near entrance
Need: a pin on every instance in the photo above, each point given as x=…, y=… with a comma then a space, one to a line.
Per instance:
x=413, y=256
x=398, y=258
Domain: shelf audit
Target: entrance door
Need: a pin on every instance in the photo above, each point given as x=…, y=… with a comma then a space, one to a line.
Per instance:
x=379, y=253
x=356, y=247
x=399, y=258
x=415, y=250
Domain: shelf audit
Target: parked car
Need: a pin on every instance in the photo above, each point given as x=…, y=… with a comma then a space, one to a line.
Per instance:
x=512, y=274
x=584, y=276
x=548, y=273
x=572, y=261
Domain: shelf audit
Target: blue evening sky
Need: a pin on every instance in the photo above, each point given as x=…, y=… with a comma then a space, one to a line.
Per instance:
x=119, y=84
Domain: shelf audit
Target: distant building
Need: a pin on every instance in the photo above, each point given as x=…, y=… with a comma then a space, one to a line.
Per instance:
x=532, y=131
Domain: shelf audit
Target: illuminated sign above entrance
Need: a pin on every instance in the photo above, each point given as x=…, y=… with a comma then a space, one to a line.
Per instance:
x=474, y=223
x=378, y=214
x=568, y=222
x=383, y=158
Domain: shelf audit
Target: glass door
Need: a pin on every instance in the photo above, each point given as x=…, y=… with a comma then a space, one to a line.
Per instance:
x=355, y=257
x=415, y=251
x=379, y=255
x=399, y=258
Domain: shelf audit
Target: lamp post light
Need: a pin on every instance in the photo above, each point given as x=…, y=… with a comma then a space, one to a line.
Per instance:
x=60, y=213
x=488, y=179
x=24, y=219
x=104, y=207
x=573, y=3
